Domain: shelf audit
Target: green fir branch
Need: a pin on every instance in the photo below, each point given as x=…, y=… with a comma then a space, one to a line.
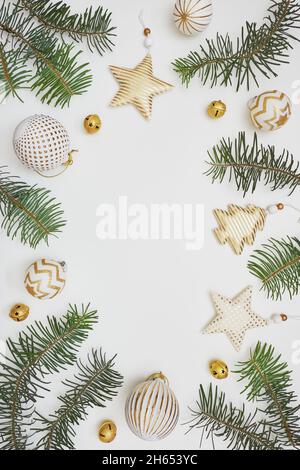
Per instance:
x=277, y=265
x=94, y=384
x=258, y=50
x=239, y=430
x=39, y=351
x=14, y=74
x=91, y=26
x=268, y=381
x=58, y=76
x=28, y=212
x=248, y=164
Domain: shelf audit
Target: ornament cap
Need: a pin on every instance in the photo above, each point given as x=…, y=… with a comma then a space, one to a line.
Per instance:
x=158, y=375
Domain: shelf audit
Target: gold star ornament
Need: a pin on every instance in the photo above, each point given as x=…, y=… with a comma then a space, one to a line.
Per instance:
x=138, y=86
x=234, y=317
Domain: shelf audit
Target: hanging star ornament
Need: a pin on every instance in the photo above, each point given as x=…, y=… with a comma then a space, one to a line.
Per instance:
x=138, y=86
x=234, y=317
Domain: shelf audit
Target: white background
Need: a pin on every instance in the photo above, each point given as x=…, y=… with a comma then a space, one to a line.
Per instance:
x=153, y=296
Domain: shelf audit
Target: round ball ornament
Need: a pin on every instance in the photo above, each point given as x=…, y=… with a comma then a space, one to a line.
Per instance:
x=92, y=123
x=44, y=279
x=192, y=16
x=42, y=143
x=19, y=312
x=218, y=369
x=107, y=432
x=271, y=110
x=152, y=409
x=216, y=109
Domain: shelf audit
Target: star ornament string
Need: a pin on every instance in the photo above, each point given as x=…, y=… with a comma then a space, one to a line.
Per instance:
x=139, y=86
x=234, y=317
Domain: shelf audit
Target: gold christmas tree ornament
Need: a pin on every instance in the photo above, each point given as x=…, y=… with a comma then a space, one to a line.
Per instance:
x=234, y=317
x=107, y=431
x=216, y=109
x=192, y=16
x=45, y=278
x=19, y=312
x=138, y=86
x=270, y=110
x=92, y=123
x=239, y=225
x=218, y=369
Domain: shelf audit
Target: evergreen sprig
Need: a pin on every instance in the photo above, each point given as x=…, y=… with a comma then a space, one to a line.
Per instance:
x=277, y=265
x=57, y=76
x=39, y=351
x=14, y=72
x=95, y=383
x=274, y=425
x=232, y=425
x=268, y=381
x=258, y=50
x=247, y=164
x=28, y=211
x=91, y=26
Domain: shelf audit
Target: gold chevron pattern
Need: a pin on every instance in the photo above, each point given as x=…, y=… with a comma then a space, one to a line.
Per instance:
x=239, y=225
x=270, y=110
x=138, y=86
x=44, y=279
x=152, y=410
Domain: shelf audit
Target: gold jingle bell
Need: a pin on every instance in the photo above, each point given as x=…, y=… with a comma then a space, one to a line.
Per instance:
x=107, y=432
x=92, y=123
x=218, y=369
x=216, y=109
x=19, y=312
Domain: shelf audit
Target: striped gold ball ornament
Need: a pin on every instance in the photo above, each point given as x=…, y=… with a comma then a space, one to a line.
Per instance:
x=192, y=16
x=270, y=110
x=45, y=278
x=152, y=409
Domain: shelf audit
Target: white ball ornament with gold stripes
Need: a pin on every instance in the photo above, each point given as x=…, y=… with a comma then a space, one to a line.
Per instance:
x=44, y=279
x=270, y=110
x=152, y=409
x=192, y=16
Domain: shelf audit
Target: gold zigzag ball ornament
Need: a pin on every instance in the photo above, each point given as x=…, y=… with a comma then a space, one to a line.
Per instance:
x=44, y=279
x=139, y=86
x=270, y=110
x=234, y=317
x=239, y=225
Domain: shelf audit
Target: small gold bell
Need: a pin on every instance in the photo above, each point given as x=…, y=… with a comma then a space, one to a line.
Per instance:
x=218, y=369
x=216, y=109
x=107, y=431
x=19, y=312
x=92, y=123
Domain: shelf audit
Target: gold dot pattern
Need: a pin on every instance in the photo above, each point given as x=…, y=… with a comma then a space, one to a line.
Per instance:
x=41, y=143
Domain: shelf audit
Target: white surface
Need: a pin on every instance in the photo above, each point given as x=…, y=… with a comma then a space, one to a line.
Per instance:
x=153, y=296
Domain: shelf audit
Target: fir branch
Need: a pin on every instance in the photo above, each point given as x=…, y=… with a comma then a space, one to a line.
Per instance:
x=277, y=265
x=91, y=26
x=28, y=211
x=39, y=351
x=95, y=383
x=232, y=425
x=58, y=76
x=268, y=381
x=249, y=164
x=258, y=51
x=14, y=74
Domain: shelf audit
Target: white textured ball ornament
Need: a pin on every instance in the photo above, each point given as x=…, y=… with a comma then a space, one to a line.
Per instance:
x=192, y=16
x=41, y=143
x=152, y=409
x=44, y=279
x=270, y=110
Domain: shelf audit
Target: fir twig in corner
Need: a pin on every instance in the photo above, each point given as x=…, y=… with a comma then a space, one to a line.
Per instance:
x=258, y=50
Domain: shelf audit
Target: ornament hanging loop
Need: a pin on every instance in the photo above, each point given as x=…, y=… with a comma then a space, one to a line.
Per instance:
x=158, y=375
x=279, y=207
x=147, y=32
x=66, y=165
